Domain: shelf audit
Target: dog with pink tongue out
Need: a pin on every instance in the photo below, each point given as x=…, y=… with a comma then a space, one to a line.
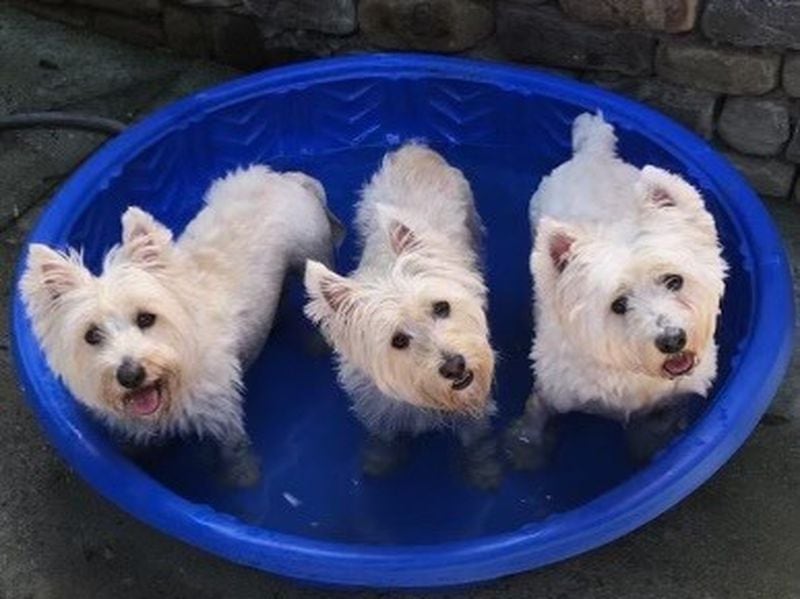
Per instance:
x=157, y=344
x=628, y=278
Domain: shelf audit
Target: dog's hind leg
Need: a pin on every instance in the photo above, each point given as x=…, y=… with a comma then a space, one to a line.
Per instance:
x=649, y=433
x=482, y=465
x=526, y=440
x=382, y=455
x=241, y=466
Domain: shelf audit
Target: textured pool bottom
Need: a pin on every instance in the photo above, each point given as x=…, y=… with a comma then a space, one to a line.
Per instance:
x=314, y=517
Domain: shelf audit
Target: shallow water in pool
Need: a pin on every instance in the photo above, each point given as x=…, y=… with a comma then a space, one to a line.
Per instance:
x=309, y=442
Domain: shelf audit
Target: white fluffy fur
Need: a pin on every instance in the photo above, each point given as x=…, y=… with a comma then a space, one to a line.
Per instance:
x=213, y=291
x=419, y=228
x=604, y=228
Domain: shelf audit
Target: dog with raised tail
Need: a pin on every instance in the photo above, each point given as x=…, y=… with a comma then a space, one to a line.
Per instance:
x=156, y=344
x=628, y=279
x=409, y=325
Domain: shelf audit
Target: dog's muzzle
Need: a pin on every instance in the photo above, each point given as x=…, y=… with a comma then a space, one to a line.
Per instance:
x=680, y=364
x=454, y=368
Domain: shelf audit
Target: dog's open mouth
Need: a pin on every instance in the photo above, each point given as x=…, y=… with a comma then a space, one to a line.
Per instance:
x=144, y=401
x=464, y=382
x=679, y=364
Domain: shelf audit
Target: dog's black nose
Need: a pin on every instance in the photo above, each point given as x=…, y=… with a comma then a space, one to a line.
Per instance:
x=453, y=367
x=130, y=374
x=671, y=341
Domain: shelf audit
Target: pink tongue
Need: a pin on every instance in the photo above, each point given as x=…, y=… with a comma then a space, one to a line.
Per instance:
x=679, y=364
x=144, y=402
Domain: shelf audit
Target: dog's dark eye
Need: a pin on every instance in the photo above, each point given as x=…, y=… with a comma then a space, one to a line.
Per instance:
x=441, y=309
x=93, y=335
x=400, y=340
x=620, y=305
x=144, y=320
x=673, y=282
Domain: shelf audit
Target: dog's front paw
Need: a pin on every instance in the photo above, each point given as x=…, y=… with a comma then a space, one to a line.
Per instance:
x=242, y=469
x=381, y=457
x=650, y=433
x=482, y=466
x=526, y=448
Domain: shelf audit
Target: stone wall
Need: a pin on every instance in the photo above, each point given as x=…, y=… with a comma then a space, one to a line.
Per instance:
x=729, y=69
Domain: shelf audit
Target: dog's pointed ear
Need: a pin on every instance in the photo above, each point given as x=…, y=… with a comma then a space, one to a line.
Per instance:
x=402, y=238
x=559, y=240
x=328, y=292
x=49, y=275
x=145, y=241
x=661, y=189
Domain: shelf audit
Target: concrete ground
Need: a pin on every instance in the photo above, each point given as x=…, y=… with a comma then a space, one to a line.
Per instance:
x=738, y=536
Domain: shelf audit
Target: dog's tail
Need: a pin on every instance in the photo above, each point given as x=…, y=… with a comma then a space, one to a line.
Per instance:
x=593, y=135
x=312, y=185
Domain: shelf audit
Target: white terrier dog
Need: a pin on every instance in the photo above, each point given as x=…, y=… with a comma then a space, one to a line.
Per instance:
x=409, y=325
x=156, y=345
x=628, y=279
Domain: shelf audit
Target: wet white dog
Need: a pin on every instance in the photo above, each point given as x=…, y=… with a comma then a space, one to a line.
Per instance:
x=156, y=345
x=409, y=325
x=628, y=279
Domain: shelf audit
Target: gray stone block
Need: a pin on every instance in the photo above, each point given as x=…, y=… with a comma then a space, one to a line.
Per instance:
x=236, y=40
x=128, y=7
x=724, y=70
x=542, y=34
x=753, y=22
x=488, y=49
x=431, y=25
x=185, y=31
x=793, y=149
x=693, y=108
x=211, y=3
x=297, y=45
x=141, y=32
x=337, y=17
x=614, y=82
x=791, y=73
x=672, y=16
x=768, y=176
x=755, y=126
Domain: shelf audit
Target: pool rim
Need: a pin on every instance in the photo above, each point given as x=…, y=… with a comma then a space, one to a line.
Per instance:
x=650, y=492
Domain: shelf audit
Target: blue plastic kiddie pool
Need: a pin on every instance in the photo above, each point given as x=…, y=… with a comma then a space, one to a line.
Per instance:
x=314, y=517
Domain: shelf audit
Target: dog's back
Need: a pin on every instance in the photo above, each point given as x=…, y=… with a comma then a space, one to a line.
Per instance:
x=418, y=187
x=255, y=206
x=595, y=186
x=257, y=225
